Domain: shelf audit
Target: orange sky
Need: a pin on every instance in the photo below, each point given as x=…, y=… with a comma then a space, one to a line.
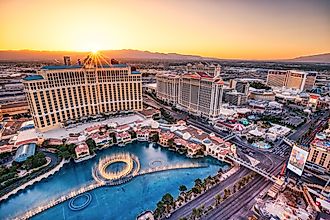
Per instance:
x=246, y=29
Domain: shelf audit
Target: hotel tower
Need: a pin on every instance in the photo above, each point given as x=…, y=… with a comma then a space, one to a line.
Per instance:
x=58, y=94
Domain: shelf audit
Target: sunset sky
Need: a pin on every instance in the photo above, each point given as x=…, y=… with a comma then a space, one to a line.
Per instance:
x=245, y=29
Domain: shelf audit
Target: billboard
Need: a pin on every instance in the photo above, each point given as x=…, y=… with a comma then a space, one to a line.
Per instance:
x=297, y=160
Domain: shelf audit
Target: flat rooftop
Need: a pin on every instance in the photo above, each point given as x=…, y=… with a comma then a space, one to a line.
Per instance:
x=60, y=133
x=81, y=66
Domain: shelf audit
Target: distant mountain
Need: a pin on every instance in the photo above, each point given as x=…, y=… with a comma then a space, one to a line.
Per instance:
x=318, y=58
x=34, y=55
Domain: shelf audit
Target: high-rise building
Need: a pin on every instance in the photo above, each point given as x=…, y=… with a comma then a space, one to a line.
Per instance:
x=242, y=87
x=235, y=98
x=58, y=94
x=196, y=93
x=277, y=78
x=168, y=87
x=67, y=61
x=291, y=79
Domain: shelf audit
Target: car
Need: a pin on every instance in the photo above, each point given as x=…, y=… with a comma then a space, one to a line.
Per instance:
x=250, y=154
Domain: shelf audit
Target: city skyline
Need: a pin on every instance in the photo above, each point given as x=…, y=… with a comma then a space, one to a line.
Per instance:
x=233, y=30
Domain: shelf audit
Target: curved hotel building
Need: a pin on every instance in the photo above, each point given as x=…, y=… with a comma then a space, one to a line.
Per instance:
x=63, y=93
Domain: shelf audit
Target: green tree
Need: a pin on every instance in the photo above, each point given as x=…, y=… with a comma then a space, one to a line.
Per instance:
x=196, y=190
x=198, y=182
x=168, y=199
x=91, y=145
x=217, y=199
x=183, y=188
x=133, y=134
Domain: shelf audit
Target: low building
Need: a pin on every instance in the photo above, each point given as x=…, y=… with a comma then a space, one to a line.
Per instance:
x=24, y=151
x=151, y=113
x=14, y=108
x=6, y=148
x=101, y=138
x=142, y=135
x=165, y=137
x=235, y=98
x=193, y=149
x=123, y=137
x=82, y=150
x=279, y=131
x=92, y=129
x=262, y=95
x=54, y=142
x=123, y=128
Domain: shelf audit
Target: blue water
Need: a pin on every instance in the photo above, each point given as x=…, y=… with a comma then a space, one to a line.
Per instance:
x=120, y=202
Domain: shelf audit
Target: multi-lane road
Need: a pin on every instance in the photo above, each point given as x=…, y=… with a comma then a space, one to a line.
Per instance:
x=239, y=204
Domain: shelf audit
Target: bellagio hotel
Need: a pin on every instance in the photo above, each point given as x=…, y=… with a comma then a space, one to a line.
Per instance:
x=64, y=93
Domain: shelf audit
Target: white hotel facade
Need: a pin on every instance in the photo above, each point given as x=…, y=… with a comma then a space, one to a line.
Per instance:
x=63, y=93
x=196, y=93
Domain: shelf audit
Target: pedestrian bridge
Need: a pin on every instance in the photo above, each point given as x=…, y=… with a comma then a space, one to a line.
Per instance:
x=229, y=137
x=253, y=168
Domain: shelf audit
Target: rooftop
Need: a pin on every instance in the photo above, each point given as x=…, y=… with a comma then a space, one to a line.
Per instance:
x=24, y=151
x=81, y=66
x=33, y=77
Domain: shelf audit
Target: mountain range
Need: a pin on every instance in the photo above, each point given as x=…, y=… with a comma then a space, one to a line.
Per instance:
x=34, y=55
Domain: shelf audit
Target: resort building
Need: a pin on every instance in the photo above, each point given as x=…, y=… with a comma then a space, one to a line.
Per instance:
x=59, y=94
x=165, y=137
x=168, y=87
x=198, y=93
x=123, y=137
x=82, y=150
x=142, y=135
x=291, y=79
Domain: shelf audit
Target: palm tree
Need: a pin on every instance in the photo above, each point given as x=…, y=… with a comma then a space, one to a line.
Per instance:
x=182, y=188
x=168, y=199
x=198, y=183
x=217, y=199
x=195, y=213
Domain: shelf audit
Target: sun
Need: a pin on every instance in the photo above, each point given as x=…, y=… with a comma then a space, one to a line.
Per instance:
x=94, y=51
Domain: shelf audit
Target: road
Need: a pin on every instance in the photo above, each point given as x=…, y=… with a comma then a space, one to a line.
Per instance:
x=208, y=197
x=238, y=205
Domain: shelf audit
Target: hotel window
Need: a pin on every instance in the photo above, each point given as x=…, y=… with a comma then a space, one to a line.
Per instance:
x=315, y=154
x=323, y=157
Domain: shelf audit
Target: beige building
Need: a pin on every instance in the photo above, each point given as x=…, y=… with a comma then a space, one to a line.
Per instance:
x=13, y=109
x=320, y=157
x=291, y=79
x=262, y=95
x=168, y=87
x=196, y=93
x=319, y=153
x=59, y=94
